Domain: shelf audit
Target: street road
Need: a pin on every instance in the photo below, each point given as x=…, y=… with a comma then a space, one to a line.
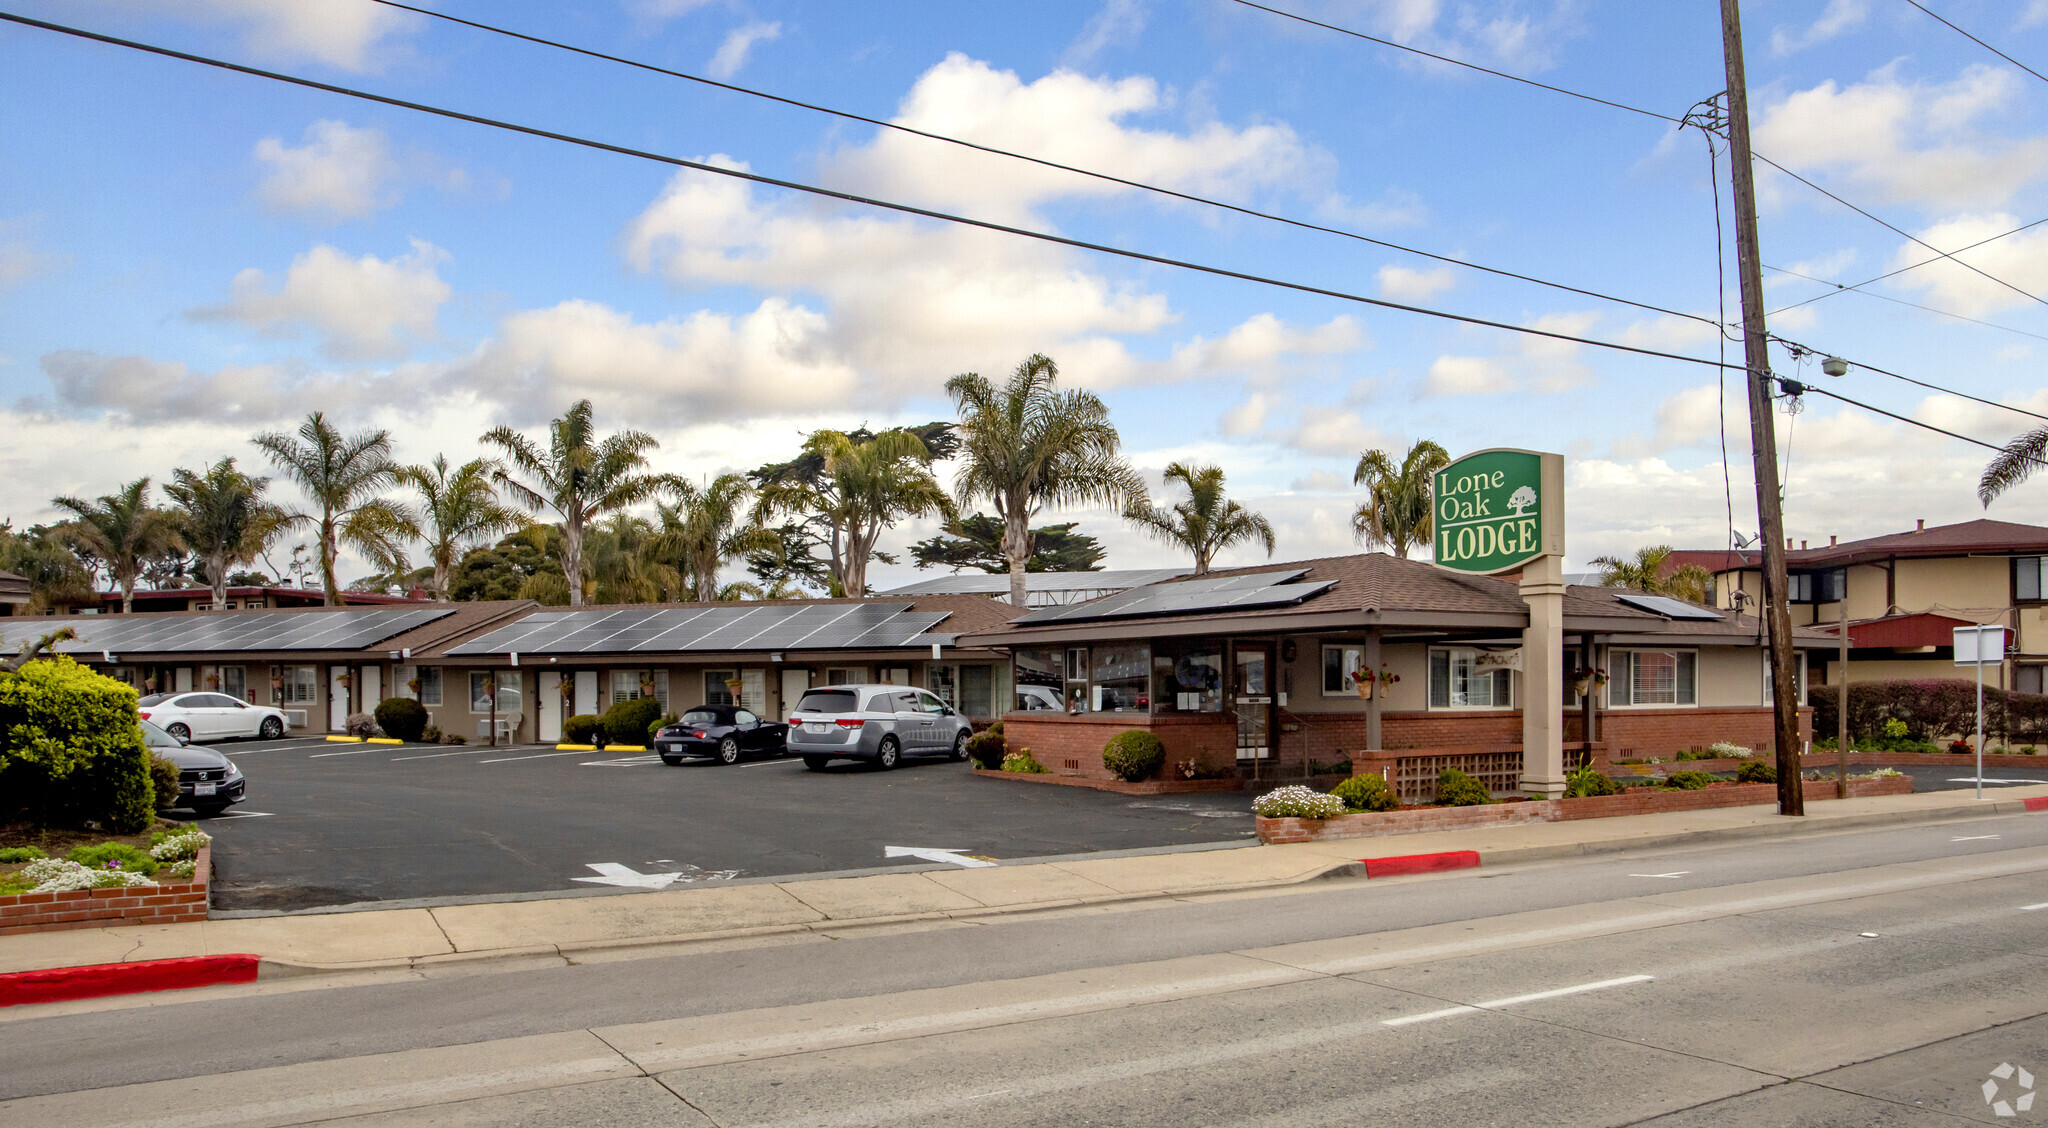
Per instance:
x=330, y=824
x=1859, y=978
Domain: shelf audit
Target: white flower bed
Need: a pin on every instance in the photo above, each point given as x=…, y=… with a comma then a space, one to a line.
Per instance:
x=1297, y=802
x=55, y=875
x=1729, y=750
x=182, y=847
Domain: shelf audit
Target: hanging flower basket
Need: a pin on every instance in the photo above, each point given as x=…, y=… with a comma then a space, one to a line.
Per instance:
x=1363, y=681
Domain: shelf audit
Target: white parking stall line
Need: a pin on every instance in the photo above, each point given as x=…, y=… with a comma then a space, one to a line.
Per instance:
x=771, y=763
x=2034, y=908
x=1974, y=838
x=484, y=751
x=522, y=759
x=1674, y=873
x=1516, y=1000
x=628, y=762
x=350, y=752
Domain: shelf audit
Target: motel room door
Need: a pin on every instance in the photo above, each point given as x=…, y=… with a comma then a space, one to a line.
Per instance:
x=548, y=706
x=1251, y=692
x=794, y=682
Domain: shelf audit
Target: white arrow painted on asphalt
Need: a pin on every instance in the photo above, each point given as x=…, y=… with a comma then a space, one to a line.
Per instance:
x=612, y=873
x=933, y=854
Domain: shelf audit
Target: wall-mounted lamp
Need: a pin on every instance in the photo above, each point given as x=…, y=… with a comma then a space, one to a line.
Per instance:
x=515, y=658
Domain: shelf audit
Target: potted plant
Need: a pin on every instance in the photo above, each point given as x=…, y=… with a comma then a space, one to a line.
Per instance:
x=213, y=681
x=1362, y=679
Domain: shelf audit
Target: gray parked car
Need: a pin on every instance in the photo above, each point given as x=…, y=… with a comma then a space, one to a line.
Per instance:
x=877, y=723
x=208, y=782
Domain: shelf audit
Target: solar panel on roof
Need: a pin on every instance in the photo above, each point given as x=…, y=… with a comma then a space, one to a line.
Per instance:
x=727, y=627
x=229, y=631
x=1669, y=608
x=1207, y=593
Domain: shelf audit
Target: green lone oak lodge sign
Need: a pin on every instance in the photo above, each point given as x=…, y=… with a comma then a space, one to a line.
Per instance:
x=1489, y=511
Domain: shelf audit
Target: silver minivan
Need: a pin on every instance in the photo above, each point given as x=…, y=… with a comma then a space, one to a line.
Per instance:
x=878, y=723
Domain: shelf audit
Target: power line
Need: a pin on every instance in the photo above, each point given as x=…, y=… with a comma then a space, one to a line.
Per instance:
x=1634, y=110
x=1800, y=350
x=1297, y=17
x=1042, y=162
x=1894, y=273
x=828, y=193
x=1904, y=419
x=1889, y=298
x=1979, y=42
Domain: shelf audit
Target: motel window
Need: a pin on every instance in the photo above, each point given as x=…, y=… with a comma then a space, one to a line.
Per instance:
x=234, y=681
x=1037, y=674
x=1654, y=677
x=1188, y=677
x=968, y=689
x=2029, y=578
x=430, y=684
x=1770, y=690
x=480, y=694
x=1339, y=663
x=630, y=684
x=846, y=675
x=296, y=684
x=1468, y=679
x=716, y=692
x=1120, y=679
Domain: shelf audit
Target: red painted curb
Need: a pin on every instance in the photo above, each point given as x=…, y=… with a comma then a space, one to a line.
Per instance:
x=2040, y=804
x=1421, y=863
x=58, y=984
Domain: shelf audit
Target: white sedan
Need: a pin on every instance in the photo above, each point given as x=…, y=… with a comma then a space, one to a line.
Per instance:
x=211, y=716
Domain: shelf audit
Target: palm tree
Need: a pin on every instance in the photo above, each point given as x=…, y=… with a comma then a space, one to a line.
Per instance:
x=861, y=489
x=2015, y=463
x=1026, y=445
x=460, y=508
x=579, y=476
x=1399, y=505
x=709, y=525
x=121, y=530
x=224, y=520
x=1206, y=523
x=1644, y=573
x=341, y=476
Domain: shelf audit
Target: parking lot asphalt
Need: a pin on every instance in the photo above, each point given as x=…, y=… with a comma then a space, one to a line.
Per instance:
x=330, y=824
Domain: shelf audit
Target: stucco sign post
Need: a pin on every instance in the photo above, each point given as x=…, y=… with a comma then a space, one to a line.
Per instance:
x=1503, y=511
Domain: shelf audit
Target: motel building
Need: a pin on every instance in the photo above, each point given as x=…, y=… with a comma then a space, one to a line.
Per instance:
x=1398, y=666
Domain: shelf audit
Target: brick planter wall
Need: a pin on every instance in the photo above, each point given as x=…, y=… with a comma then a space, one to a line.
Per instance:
x=1635, y=801
x=1072, y=745
x=170, y=903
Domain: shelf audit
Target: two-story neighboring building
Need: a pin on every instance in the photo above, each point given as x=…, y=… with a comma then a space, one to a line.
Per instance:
x=1906, y=593
x=14, y=594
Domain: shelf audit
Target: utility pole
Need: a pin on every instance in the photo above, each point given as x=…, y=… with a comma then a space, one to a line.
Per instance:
x=1763, y=438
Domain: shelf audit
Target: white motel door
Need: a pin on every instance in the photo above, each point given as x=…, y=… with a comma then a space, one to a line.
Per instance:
x=586, y=693
x=794, y=682
x=337, y=698
x=373, y=688
x=549, y=706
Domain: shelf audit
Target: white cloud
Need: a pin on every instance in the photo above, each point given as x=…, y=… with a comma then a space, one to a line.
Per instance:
x=2020, y=259
x=732, y=54
x=1262, y=347
x=20, y=258
x=1116, y=23
x=1543, y=365
x=364, y=308
x=1341, y=433
x=1396, y=207
x=1068, y=118
x=139, y=390
x=1525, y=34
x=1839, y=16
x=2035, y=15
x=1249, y=417
x=661, y=11
x=341, y=172
x=1666, y=333
x=705, y=368
x=1401, y=284
x=348, y=34
x=1468, y=376
x=1911, y=142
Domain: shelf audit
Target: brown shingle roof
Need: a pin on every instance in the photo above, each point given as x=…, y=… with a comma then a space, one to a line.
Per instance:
x=1980, y=537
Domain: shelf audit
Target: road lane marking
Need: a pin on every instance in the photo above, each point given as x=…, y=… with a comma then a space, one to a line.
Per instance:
x=613, y=873
x=1517, y=1000
x=2034, y=908
x=1675, y=873
x=1973, y=838
x=517, y=759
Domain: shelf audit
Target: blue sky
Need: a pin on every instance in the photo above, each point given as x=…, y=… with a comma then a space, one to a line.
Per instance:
x=189, y=257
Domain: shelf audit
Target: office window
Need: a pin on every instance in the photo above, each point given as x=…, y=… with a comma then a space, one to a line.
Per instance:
x=1121, y=679
x=1457, y=681
x=1654, y=677
x=1339, y=663
x=1036, y=675
x=234, y=682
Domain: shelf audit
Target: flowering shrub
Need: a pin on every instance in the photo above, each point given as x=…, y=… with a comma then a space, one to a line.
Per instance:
x=360, y=724
x=183, y=871
x=55, y=875
x=1297, y=802
x=1023, y=761
x=114, y=855
x=1729, y=750
x=178, y=846
x=1366, y=793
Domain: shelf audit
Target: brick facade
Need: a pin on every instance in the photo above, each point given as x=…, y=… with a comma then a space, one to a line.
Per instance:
x=1072, y=745
x=172, y=903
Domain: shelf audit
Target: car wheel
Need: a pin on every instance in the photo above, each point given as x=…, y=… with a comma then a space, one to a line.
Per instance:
x=182, y=732
x=729, y=751
x=272, y=728
x=671, y=761
x=888, y=755
x=209, y=810
x=817, y=763
x=959, y=752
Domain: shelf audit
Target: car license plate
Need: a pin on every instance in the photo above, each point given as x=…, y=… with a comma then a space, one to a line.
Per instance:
x=202, y=789
x=817, y=726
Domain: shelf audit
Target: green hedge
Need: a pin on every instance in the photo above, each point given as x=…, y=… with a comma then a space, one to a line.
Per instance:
x=1133, y=755
x=1456, y=789
x=71, y=749
x=627, y=721
x=582, y=728
x=402, y=718
x=986, y=749
x=1366, y=793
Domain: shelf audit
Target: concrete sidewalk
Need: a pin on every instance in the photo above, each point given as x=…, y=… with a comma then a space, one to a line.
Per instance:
x=562, y=927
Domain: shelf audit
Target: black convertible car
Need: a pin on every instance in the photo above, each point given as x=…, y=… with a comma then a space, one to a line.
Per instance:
x=721, y=732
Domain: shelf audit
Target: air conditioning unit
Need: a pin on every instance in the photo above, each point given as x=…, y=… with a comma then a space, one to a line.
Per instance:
x=296, y=718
